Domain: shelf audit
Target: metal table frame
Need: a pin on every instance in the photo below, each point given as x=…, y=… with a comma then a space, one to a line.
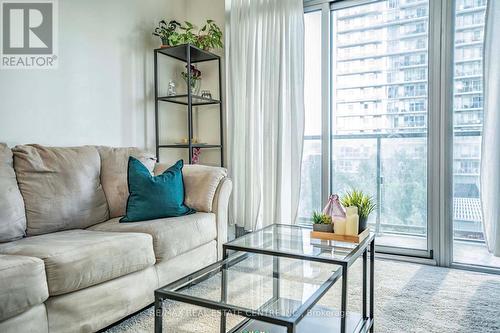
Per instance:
x=360, y=249
x=170, y=292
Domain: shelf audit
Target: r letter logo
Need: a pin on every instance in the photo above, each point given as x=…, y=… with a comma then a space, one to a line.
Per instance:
x=28, y=34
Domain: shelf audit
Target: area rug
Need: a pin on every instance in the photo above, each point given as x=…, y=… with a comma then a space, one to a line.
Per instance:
x=408, y=298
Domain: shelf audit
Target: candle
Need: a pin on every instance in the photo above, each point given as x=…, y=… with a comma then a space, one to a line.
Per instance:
x=352, y=225
x=339, y=225
x=351, y=210
x=352, y=221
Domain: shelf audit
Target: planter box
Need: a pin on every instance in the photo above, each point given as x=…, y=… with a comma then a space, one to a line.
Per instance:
x=323, y=227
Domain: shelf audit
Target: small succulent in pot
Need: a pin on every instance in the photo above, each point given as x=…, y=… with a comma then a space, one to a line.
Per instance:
x=365, y=203
x=168, y=33
x=322, y=222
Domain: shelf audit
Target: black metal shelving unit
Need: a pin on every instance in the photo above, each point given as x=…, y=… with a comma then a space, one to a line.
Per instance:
x=188, y=54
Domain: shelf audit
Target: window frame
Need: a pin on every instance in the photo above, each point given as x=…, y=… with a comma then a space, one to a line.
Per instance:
x=440, y=126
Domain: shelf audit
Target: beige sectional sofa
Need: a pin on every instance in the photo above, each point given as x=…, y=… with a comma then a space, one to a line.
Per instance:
x=67, y=264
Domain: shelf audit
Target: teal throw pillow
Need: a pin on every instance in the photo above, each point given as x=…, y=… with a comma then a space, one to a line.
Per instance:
x=153, y=197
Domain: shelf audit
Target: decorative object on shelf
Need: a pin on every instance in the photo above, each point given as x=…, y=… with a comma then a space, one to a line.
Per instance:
x=194, y=81
x=333, y=207
x=352, y=221
x=196, y=155
x=364, y=202
x=335, y=210
x=171, y=88
x=193, y=141
x=209, y=36
x=322, y=222
x=206, y=94
x=168, y=33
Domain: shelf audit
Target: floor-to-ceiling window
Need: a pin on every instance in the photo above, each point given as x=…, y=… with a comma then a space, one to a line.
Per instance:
x=387, y=136
x=379, y=114
x=310, y=196
x=468, y=238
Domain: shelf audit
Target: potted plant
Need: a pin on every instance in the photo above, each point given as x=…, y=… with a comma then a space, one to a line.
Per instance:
x=168, y=33
x=322, y=222
x=187, y=36
x=210, y=36
x=364, y=202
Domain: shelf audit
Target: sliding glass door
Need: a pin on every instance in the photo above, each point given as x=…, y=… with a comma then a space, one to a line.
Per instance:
x=468, y=239
x=379, y=114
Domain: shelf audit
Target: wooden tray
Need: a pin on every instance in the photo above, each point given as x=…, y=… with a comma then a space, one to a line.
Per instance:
x=342, y=238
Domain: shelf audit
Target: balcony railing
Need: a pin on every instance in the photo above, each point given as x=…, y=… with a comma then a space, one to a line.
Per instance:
x=464, y=228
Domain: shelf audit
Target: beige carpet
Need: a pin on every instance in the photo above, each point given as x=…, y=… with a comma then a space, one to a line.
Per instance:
x=408, y=298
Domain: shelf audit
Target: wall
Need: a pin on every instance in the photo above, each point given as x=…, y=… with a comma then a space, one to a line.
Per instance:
x=102, y=92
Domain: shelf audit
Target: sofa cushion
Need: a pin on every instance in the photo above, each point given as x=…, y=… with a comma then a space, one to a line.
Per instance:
x=22, y=284
x=171, y=236
x=114, y=175
x=12, y=218
x=33, y=320
x=200, y=182
x=76, y=259
x=154, y=197
x=61, y=187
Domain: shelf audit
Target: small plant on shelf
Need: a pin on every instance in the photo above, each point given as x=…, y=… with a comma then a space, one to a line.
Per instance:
x=168, y=33
x=322, y=222
x=210, y=36
x=188, y=36
x=363, y=201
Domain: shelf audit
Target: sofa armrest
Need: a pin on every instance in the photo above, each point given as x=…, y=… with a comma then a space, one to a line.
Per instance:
x=200, y=184
x=207, y=189
x=221, y=210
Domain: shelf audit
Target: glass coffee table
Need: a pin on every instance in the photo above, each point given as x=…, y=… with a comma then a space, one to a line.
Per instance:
x=274, y=278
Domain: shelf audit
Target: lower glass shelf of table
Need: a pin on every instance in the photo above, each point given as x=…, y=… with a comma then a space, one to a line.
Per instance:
x=319, y=319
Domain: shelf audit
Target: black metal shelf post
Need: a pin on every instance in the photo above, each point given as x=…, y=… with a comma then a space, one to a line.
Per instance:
x=189, y=54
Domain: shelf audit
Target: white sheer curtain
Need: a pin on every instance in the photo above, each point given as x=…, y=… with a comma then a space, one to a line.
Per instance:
x=490, y=152
x=265, y=54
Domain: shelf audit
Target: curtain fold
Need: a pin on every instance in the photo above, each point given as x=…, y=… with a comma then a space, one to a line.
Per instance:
x=265, y=54
x=490, y=150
